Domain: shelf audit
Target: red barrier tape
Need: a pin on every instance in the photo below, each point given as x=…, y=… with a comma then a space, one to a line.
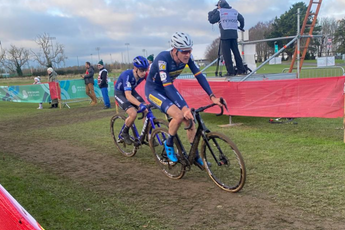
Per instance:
x=312, y=97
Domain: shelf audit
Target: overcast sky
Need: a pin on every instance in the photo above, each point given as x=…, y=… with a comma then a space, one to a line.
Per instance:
x=83, y=25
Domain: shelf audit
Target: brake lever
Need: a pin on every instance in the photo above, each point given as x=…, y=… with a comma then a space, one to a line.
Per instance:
x=190, y=125
x=224, y=103
x=142, y=116
x=191, y=121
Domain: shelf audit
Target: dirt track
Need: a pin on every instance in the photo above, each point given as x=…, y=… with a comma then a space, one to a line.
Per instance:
x=191, y=203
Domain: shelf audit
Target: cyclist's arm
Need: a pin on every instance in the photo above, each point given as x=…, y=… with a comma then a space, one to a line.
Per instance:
x=200, y=77
x=128, y=91
x=131, y=98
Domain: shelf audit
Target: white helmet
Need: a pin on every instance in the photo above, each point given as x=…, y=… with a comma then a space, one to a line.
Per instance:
x=181, y=40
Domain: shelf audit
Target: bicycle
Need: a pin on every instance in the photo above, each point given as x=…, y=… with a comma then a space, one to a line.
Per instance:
x=117, y=123
x=222, y=159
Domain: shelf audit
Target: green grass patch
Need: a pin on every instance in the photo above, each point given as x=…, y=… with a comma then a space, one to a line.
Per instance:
x=296, y=165
x=59, y=203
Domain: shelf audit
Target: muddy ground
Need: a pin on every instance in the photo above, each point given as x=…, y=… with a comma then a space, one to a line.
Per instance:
x=193, y=202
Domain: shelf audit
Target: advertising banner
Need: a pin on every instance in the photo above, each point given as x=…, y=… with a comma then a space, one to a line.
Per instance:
x=25, y=93
x=75, y=89
x=43, y=93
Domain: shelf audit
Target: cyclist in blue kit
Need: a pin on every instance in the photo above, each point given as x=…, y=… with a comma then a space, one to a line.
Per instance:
x=126, y=95
x=160, y=91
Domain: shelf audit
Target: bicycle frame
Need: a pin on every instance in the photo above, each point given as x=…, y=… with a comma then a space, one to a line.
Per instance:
x=201, y=132
x=140, y=139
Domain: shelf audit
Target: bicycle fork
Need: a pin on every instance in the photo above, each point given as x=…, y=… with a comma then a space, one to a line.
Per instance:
x=222, y=158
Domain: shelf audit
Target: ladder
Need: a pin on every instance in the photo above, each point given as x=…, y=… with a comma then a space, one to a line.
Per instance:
x=311, y=26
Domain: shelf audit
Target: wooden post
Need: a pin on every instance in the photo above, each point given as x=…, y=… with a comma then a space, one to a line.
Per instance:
x=344, y=115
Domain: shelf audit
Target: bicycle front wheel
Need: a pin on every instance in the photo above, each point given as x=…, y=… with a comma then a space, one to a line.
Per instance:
x=225, y=163
x=117, y=123
x=158, y=123
x=170, y=169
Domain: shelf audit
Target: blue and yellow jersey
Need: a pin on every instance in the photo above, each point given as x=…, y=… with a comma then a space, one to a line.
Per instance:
x=127, y=81
x=164, y=71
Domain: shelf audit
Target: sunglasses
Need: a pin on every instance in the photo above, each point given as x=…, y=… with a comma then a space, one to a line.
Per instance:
x=142, y=70
x=185, y=52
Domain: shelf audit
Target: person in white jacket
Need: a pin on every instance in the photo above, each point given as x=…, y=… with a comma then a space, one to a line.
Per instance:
x=38, y=81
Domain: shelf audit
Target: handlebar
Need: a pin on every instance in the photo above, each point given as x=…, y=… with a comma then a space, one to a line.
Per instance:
x=148, y=107
x=201, y=109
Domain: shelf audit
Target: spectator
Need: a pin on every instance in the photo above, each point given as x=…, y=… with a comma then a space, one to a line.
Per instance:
x=37, y=80
x=103, y=84
x=53, y=78
x=88, y=78
x=150, y=58
x=227, y=17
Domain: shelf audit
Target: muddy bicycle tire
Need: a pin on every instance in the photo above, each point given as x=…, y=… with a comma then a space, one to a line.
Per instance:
x=116, y=123
x=169, y=168
x=226, y=168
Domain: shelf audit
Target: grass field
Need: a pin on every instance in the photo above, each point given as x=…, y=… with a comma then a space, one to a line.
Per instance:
x=297, y=168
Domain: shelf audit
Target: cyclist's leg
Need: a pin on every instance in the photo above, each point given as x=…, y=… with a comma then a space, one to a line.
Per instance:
x=190, y=132
x=132, y=114
x=190, y=135
x=159, y=99
x=140, y=99
x=177, y=117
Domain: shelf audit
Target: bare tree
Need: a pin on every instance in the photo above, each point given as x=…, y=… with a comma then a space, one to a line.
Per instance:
x=49, y=55
x=328, y=29
x=15, y=59
x=211, y=52
x=258, y=32
x=2, y=56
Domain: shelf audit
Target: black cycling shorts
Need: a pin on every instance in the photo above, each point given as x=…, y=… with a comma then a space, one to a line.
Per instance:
x=124, y=103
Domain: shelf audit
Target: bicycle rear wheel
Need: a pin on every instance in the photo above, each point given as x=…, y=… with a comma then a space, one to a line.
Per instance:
x=226, y=166
x=169, y=168
x=116, y=126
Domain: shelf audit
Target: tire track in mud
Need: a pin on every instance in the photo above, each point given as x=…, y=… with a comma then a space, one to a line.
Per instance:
x=189, y=203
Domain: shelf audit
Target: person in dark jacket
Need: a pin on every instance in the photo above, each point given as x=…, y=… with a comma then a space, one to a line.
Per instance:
x=228, y=19
x=103, y=83
x=88, y=78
